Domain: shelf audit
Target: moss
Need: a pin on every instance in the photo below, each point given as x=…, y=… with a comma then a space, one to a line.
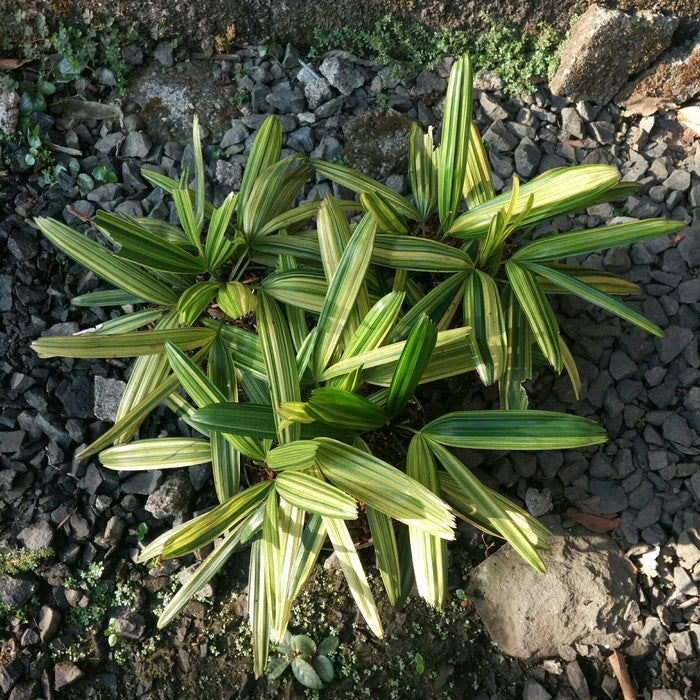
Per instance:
x=515, y=55
x=375, y=143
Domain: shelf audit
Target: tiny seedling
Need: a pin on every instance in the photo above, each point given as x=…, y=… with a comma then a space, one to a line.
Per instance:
x=310, y=663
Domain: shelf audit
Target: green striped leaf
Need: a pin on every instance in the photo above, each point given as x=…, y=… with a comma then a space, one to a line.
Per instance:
x=478, y=183
x=333, y=237
x=438, y=304
x=312, y=540
x=375, y=326
x=361, y=183
x=315, y=495
x=585, y=291
x=518, y=364
x=538, y=310
x=206, y=528
x=305, y=289
x=236, y=299
x=514, y=430
x=422, y=159
x=464, y=507
x=249, y=419
x=121, y=345
x=258, y=613
x=199, y=173
x=454, y=143
x=194, y=300
x=302, y=246
x=282, y=550
x=343, y=291
x=420, y=254
x=280, y=361
x=345, y=409
x=205, y=572
x=225, y=455
x=129, y=322
x=571, y=368
x=483, y=312
x=163, y=229
x=291, y=218
x=429, y=553
x=598, y=279
x=296, y=318
x=554, y=193
x=300, y=454
x=159, y=453
x=354, y=573
x=565, y=245
x=489, y=506
x=245, y=346
x=108, y=297
x=265, y=197
x=140, y=246
x=450, y=358
x=264, y=152
x=386, y=549
x=217, y=247
x=186, y=214
x=388, y=219
x=378, y=484
x=369, y=335
x=105, y=264
x=388, y=355
x=411, y=365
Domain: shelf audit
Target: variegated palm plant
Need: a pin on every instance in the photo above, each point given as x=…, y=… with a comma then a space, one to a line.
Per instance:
x=304, y=355
x=309, y=398
x=500, y=284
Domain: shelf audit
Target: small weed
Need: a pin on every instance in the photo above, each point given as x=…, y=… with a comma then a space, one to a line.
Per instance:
x=238, y=98
x=503, y=49
x=22, y=560
x=381, y=100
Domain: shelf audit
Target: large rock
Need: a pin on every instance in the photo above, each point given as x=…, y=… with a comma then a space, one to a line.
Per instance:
x=673, y=80
x=376, y=143
x=584, y=598
x=605, y=47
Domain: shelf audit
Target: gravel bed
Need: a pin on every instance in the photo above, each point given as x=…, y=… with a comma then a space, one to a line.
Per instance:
x=643, y=390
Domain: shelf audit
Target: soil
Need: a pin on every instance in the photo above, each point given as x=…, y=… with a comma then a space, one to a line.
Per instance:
x=254, y=21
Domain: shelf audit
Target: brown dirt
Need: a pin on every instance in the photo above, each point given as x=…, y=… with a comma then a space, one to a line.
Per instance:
x=255, y=20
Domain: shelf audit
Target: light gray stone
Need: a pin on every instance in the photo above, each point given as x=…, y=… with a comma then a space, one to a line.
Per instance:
x=606, y=46
x=344, y=75
x=538, y=502
x=171, y=498
x=163, y=53
x=581, y=599
x=235, y=135
x=317, y=91
x=499, y=137
x=9, y=111
x=37, y=536
x=136, y=145
x=108, y=394
x=66, y=673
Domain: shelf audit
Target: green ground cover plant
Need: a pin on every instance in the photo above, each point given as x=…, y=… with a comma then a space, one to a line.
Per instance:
x=513, y=54
x=292, y=340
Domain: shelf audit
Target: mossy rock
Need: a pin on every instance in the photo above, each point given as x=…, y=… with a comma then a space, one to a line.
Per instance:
x=376, y=143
